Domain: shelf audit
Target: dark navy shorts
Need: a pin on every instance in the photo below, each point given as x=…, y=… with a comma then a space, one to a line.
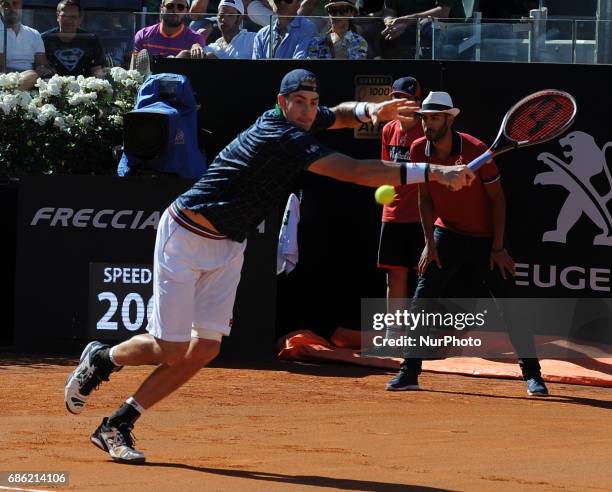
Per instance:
x=400, y=245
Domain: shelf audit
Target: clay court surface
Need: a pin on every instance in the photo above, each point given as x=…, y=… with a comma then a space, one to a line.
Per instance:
x=294, y=427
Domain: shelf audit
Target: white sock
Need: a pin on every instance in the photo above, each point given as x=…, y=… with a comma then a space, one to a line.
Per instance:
x=110, y=355
x=131, y=401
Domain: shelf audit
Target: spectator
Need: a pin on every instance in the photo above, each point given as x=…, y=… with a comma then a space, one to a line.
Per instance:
x=289, y=35
x=170, y=37
x=25, y=50
x=70, y=50
x=340, y=41
x=235, y=42
x=401, y=17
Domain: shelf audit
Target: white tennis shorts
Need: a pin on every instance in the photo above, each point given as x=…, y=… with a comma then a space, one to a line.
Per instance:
x=194, y=283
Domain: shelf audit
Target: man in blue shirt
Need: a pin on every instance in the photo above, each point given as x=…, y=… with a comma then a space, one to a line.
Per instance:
x=201, y=239
x=289, y=36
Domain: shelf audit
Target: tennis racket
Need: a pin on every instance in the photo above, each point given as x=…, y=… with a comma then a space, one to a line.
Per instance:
x=536, y=118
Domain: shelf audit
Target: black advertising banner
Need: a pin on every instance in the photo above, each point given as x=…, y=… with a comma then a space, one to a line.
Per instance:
x=559, y=227
x=84, y=263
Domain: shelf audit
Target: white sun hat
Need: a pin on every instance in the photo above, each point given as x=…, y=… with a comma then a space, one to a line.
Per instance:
x=438, y=102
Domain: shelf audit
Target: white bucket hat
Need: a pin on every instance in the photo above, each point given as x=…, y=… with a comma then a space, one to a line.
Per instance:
x=438, y=102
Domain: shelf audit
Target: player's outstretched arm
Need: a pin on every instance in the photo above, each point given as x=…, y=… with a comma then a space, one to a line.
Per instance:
x=354, y=114
x=375, y=172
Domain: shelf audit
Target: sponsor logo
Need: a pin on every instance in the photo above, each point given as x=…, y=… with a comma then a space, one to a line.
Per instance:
x=399, y=153
x=585, y=160
x=97, y=219
x=570, y=277
x=371, y=88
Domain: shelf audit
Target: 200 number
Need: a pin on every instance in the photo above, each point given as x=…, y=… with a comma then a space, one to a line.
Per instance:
x=130, y=324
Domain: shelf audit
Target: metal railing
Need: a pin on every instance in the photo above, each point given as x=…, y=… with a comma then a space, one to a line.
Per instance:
x=534, y=39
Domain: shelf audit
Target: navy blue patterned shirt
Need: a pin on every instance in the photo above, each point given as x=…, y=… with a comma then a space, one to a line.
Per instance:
x=255, y=171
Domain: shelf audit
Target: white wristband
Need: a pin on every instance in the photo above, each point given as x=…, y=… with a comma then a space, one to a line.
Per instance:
x=416, y=173
x=360, y=112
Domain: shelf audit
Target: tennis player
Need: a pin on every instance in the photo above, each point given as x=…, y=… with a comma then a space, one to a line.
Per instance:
x=201, y=239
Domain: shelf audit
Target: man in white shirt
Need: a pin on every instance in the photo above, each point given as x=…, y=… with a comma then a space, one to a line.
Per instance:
x=25, y=50
x=235, y=42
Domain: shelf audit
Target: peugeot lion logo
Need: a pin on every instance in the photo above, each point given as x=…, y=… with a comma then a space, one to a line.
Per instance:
x=586, y=160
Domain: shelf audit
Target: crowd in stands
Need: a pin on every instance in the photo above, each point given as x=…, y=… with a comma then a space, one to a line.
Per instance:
x=239, y=29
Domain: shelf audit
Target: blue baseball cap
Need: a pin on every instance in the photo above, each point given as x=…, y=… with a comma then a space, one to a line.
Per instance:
x=294, y=81
x=407, y=85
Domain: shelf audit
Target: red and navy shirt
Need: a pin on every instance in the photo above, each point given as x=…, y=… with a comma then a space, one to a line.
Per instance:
x=467, y=211
x=396, y=144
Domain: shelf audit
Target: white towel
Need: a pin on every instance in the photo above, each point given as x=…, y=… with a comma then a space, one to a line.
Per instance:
x=287, y=252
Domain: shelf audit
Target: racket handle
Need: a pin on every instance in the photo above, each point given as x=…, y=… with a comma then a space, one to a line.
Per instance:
x=480, y=161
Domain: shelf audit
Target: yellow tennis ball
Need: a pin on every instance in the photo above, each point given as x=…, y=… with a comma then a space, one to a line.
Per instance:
x=384, y=194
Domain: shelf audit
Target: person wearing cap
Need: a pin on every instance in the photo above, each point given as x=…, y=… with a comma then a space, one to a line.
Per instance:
x=401, y=17
x=340, y=41
x=288, y=36
x=464, y=231
x=201, y=240
x=169, y=38
x=235, y=42
x=401, y=236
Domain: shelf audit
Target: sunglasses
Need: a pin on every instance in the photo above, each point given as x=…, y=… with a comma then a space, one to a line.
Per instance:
x=179, y=7
x=280, y=1
x=340, y=10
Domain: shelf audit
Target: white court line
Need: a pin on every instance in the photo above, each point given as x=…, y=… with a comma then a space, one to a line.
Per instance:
x=2, y=487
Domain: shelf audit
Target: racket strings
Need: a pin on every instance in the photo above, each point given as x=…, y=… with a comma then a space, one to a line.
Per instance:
x=540, y=118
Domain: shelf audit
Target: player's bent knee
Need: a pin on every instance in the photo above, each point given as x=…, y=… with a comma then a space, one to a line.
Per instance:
x=205, y=351
x=172, y=352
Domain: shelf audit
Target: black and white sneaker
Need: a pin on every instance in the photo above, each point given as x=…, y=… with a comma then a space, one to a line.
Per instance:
x=85, y=378
x=118, y=442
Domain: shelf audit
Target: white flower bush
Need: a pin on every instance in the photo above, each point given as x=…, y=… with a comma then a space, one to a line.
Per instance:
x=66, y=124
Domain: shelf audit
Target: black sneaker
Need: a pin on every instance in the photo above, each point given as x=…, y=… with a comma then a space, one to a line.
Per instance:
x=85, y=378
x=403, y=381
x=118, y=442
